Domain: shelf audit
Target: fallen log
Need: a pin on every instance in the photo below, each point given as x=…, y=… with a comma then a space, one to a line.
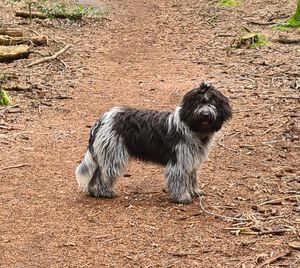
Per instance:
x=40, y=40
x=56, y=15
x=9, y=53
x=26, y=14
x=11, y=32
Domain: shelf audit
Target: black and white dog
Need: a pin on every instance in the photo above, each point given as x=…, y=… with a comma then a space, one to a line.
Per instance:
x=179, y=140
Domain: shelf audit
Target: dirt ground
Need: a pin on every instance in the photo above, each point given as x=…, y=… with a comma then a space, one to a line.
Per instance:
x=148, y=54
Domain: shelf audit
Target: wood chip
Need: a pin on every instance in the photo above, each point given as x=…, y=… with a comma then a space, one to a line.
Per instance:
x=295, y=245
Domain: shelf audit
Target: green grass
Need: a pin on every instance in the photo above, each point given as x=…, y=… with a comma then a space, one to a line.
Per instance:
x=289, y=24
x=228, y=3
x=4, y=98
x=292, y=22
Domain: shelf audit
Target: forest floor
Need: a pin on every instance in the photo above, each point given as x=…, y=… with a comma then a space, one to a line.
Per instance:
x=147, y=53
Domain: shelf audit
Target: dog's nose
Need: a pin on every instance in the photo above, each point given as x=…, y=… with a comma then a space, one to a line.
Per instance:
x=206, y=115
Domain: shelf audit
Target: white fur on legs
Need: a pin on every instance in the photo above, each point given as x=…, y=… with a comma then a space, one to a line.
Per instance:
x=85, y=171
x=177, y=184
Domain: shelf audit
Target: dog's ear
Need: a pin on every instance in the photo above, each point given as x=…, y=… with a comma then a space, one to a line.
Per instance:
x=226, y=110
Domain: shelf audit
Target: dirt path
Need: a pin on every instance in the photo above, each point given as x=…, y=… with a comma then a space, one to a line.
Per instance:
x=148, y=55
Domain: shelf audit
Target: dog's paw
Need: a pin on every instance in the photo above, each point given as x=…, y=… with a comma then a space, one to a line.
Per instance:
x=102, y=193
x=109, y=194
x=185, y=199
x=197, y=192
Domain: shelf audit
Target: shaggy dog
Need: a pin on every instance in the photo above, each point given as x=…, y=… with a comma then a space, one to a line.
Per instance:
x=178, y=140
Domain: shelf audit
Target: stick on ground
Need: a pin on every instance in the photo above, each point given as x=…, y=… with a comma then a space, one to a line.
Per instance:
x=273, y=259
x=16, y=166
x=50, y=57
x=219, y=216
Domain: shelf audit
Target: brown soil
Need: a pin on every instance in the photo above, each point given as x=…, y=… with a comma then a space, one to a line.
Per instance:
x=148, y=54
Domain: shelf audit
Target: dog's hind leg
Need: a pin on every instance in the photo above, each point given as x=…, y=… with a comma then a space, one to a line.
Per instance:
x=112, y=159
x=85, y=171
x=178, y=184
x=100, y=187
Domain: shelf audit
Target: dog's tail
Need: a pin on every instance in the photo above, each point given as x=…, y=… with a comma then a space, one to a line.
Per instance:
x=85, y=171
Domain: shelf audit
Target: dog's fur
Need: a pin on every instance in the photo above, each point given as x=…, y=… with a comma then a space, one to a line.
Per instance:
x=179, y=140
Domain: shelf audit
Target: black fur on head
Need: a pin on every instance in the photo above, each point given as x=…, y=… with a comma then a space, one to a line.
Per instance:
x=205, y=109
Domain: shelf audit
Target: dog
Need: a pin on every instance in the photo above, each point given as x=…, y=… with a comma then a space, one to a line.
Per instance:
x=179, y=140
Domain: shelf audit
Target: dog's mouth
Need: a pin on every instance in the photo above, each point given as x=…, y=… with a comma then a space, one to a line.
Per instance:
x=206, y=118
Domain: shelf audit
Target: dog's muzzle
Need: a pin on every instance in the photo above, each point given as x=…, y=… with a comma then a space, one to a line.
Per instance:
x=207, y=114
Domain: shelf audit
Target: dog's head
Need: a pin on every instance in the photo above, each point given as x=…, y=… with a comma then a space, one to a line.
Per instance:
x=205, y=109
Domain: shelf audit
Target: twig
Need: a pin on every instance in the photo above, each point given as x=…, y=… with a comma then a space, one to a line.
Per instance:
x=276, y=200
x=248, y=79
x=278, y=232
x=9, y=107
x=15, y=166
x=226, y=147
x=261, y=22
x=246, y=231
x=273, y=259
x=9, y=128
x=217, y=215
x=289, y=97
x=50, y=57
x=87, y=264
x=183, y=254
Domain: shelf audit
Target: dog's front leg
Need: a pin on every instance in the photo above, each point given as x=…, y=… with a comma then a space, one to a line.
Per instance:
x=194, y=185
x=178, y=184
